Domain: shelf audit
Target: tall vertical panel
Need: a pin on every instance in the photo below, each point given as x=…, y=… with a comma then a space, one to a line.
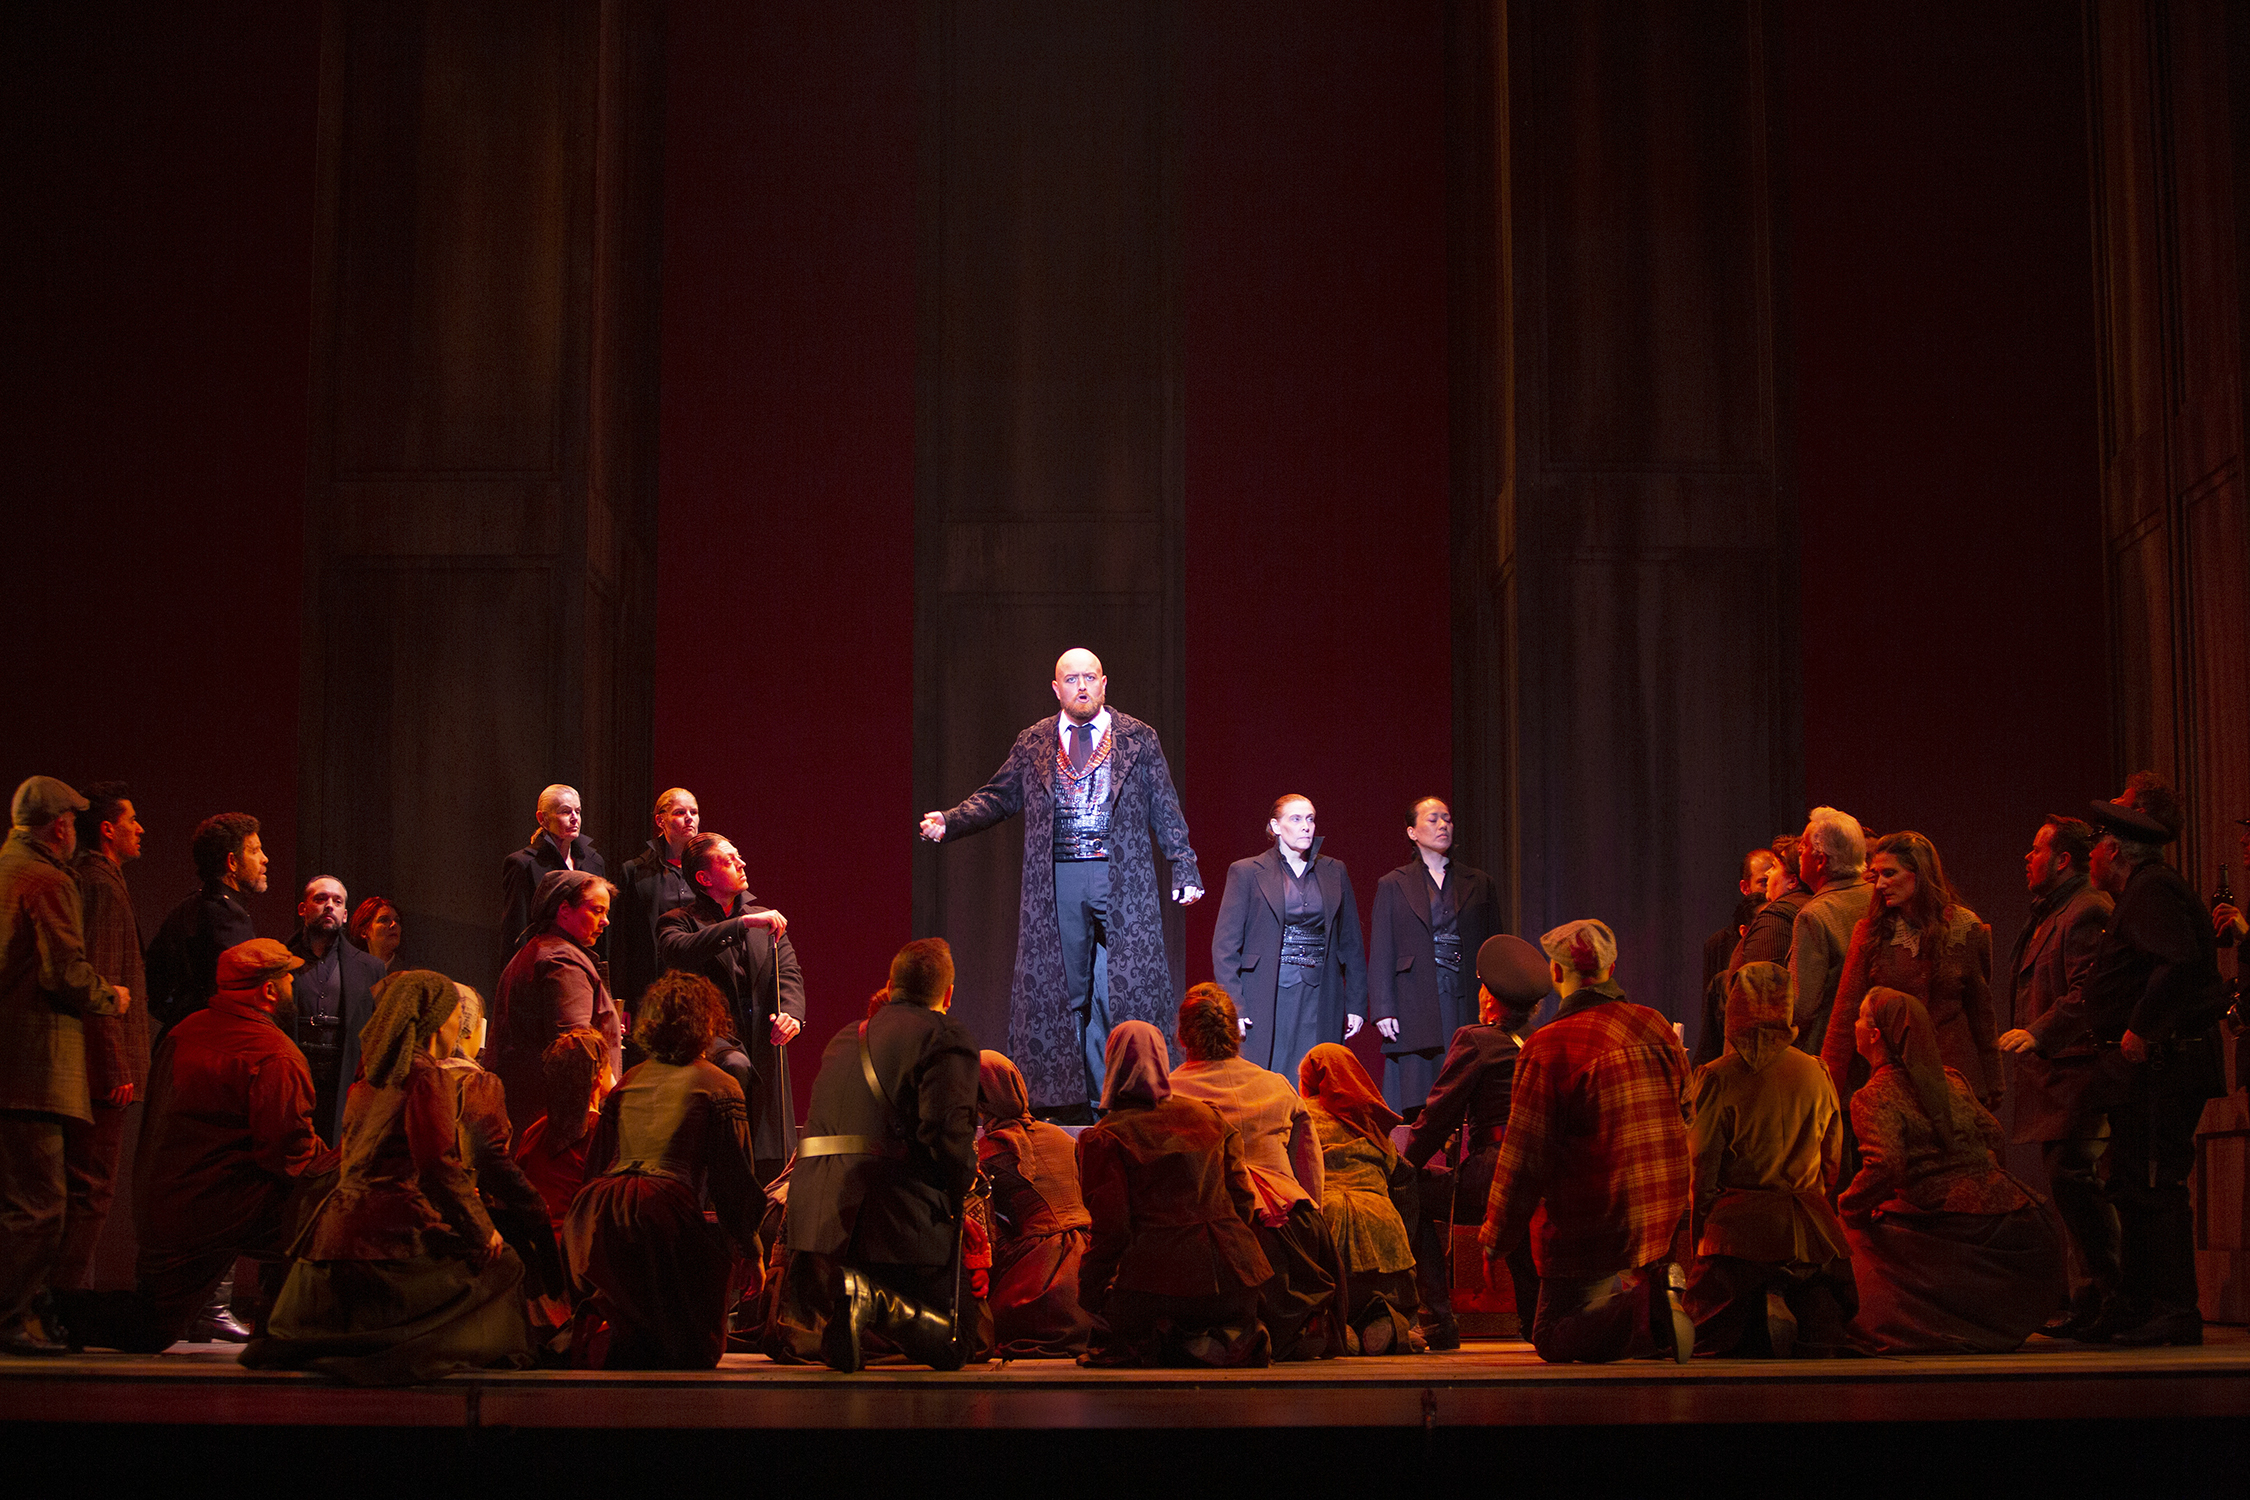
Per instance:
x=1645, y=545
x=2170, y=104
x=480, y=509
x=1048, y=425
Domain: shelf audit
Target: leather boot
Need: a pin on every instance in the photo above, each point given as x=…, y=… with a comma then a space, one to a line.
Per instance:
x=922, y=1334
x=854, y=1315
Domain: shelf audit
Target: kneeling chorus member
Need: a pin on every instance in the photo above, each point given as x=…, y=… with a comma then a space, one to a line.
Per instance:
x=403, y=1277
x=1367, y=1196
x=1175, y=1267
x=1594, y=1165
x=1281, y=1147
x=1471, y=1095
x=888, y=1157
x=1767, y=1139
x=649, y=1271
x=1039, y=1221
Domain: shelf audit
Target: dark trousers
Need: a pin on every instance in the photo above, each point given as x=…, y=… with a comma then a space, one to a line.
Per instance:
x=175, y=1283
x=1594, y=1322
x=1082, y=910
x=2152, y=1152
x=90, y=1154
x=34, y=1198
x=2082, y=1203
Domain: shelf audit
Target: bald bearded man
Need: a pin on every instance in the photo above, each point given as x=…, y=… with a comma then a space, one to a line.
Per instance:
x=1092, y=786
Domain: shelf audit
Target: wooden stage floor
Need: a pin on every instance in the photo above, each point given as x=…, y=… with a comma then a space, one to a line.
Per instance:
x=1484, y=1384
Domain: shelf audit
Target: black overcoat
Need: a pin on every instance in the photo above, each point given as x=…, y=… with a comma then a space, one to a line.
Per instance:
x=738, y=957
x=1246, y=945
x=1402, y=956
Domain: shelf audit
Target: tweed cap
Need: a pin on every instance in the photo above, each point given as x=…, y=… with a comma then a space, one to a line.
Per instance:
x=39, y=800
x=1585, y=946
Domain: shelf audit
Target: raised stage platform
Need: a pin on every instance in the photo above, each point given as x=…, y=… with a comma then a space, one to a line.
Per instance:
x=2174, y=1417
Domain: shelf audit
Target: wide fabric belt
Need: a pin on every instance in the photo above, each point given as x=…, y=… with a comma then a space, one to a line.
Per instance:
x=850, y=1145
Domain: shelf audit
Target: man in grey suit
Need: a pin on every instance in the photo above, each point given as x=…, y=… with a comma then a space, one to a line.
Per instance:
x=2053, y=959
x=1829, y=860
x=1287, y=946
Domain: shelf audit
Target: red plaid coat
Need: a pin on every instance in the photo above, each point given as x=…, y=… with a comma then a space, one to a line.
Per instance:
x=1594, y=1165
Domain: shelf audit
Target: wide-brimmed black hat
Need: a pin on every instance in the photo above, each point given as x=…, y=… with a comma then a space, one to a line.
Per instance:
x=2129, y=823
x=1513, y=970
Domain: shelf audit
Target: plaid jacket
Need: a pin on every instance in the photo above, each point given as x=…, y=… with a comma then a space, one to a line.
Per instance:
x=116, y=1046
x=1594, y=1165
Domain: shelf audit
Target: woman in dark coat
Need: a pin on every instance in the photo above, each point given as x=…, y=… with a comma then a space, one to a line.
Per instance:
x=649, y=1271
x=553, y=984
x=1039, y=1222
x=1367, y=1196
x=1918, y=938
x=404, y=1277
x=1174, y=1268
x=1951, y=1253
x=1287, y=944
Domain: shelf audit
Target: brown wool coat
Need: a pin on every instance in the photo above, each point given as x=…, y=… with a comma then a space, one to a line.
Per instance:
x=46, y=984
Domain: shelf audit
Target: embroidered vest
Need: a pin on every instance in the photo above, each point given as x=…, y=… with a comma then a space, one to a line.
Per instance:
x=1082, y=804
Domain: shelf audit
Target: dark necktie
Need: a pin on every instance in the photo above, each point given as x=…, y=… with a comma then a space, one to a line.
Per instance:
x=1081, y=745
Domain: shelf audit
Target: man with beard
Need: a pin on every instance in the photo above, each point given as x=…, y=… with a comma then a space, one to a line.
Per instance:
x=46, y=988
x=183, y=961
x=229, y=1154
x=334, y=998
x=650, y=885
x=743, y=947
x=2154, y=992
x=1092, y=785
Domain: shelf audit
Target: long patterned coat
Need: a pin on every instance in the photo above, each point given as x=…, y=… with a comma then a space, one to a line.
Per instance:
x=1043, y=1037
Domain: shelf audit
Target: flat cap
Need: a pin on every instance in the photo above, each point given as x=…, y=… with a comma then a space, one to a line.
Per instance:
x=2129, y=823
x=1586, y=945
x=1513, y=970
x=42, y=799
x=245, y=966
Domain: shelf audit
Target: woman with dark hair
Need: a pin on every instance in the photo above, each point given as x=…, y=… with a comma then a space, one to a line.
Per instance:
x=1950, y=1252
x=1174, y=1269
x=553, y=984
x=1039, y=1221
x=375, y=927
x=1917, y=937
x=1367, y=1196
x=1282, y=1150
x=650, y=1273
x=403, y=1277
x=1287, y=945
x=552, y=1148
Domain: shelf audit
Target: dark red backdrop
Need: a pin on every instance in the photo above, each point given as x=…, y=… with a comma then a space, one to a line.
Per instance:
x=159, y=185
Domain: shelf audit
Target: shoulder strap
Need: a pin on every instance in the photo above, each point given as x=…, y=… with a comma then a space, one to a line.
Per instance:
x=867, y=1071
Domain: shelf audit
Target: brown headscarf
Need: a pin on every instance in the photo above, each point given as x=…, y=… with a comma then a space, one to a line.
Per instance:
x=1912, y=1043
x=1761, y=1004
x=1001, y=1094
x=556, y=887
x=410, y=1006
x=1332, y=1081
x=1138, y=1066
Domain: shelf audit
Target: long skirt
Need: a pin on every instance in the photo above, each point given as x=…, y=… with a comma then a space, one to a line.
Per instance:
x=1035, y=1311
x=396, y=1322
x=1945, y=1283
x=1298, y=1303
x=649, y=1274
x=1151, y=1330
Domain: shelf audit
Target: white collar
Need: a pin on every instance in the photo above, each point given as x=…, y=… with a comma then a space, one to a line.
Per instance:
x=1063, y=726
